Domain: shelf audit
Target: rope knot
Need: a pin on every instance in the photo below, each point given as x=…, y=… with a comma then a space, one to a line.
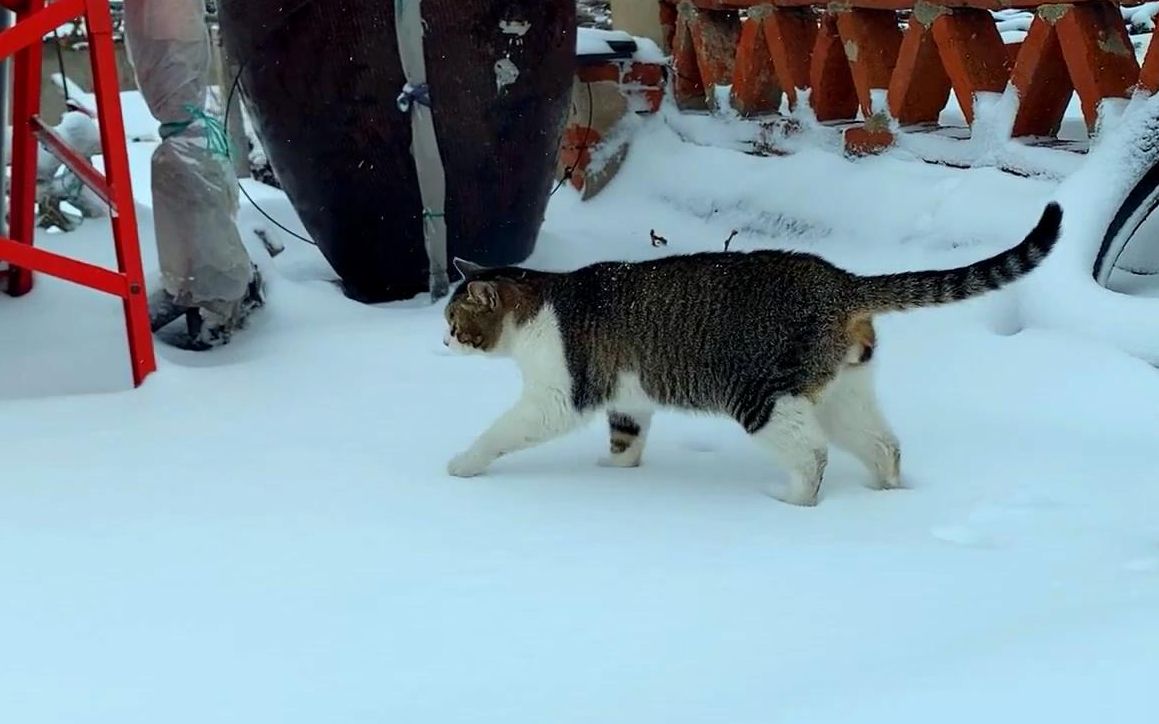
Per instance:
x=215, y=134
x=411, y=94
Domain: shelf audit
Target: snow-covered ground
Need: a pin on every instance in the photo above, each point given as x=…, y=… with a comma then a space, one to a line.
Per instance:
x=266, y=534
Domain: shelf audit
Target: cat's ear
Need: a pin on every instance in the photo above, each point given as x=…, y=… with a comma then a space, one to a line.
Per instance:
x=466, y=268
x=485, y=293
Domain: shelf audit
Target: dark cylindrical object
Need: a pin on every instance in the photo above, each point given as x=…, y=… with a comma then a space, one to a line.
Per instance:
x=322, y=77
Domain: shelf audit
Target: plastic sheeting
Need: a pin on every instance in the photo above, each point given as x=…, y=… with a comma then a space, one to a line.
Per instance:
x=195, y=201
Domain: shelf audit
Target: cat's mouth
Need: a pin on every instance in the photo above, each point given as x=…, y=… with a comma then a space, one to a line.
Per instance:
x=455, y=344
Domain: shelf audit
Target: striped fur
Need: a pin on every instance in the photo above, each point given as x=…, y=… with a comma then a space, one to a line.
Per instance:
x=781, y=342
x=909, y=290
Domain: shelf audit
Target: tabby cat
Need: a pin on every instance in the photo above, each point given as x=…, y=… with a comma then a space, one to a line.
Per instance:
x=779, y=341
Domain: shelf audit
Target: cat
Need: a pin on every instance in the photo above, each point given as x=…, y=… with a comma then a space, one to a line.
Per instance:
x=780, y=341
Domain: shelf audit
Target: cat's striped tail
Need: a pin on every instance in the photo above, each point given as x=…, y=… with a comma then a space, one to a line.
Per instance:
x=909, y=290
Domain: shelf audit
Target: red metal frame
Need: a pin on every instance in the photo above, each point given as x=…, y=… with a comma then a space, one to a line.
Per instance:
x=23, y=42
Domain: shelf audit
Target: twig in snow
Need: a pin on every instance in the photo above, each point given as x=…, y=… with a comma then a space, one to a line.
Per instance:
x=729, y=239
x=657, y=240
x=273, y=246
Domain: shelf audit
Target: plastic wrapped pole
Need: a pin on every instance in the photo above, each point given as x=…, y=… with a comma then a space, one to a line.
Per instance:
x=415, y=98
x=203, y=261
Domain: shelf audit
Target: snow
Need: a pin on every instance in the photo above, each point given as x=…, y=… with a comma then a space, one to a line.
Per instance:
x=266, y=533
x=1064, y=295
x=1141, y=16
x=647, y=51
x=593, y=41
x=139, y=122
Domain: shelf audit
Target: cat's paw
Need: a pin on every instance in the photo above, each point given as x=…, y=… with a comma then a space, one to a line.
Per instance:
x=801, y=497
x=468, y=465
x=888, y=484
x=618, y=461
x=797, y=499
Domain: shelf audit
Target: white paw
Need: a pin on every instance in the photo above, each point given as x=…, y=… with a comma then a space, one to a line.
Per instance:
x=795, y=496
x=468, y=465
x=803, y=501
x=888, y=484
x=618, y=461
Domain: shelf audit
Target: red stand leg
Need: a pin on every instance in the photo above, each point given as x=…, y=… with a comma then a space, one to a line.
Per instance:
x=25, y=104
x=125, y=236
x=23, y=42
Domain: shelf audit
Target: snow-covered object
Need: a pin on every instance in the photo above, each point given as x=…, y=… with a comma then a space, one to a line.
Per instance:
x=203, y=260
x=58, y=183
x=591, y=41
x=80, y=132
x=993, y=125
x=1141, y=17
x=76, y=129
x=55, y=182
x=1063, y=293
x=1013, y=20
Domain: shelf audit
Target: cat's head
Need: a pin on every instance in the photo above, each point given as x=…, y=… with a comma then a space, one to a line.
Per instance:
x=487, y=308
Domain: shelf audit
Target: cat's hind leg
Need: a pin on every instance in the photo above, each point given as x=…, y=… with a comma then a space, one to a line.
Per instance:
x=795, y=437
x=628, y=432
x=849, y=413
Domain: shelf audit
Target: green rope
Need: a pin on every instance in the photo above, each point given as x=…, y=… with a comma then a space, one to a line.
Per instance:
x=215, y=136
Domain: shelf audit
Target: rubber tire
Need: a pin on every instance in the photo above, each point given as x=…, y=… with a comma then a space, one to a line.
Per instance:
x=1135, y=209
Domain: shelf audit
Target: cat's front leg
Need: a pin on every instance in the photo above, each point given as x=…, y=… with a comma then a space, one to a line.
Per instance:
x=539, y=416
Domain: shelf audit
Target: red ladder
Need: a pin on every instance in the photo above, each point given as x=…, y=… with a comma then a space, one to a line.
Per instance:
x=23, y=42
